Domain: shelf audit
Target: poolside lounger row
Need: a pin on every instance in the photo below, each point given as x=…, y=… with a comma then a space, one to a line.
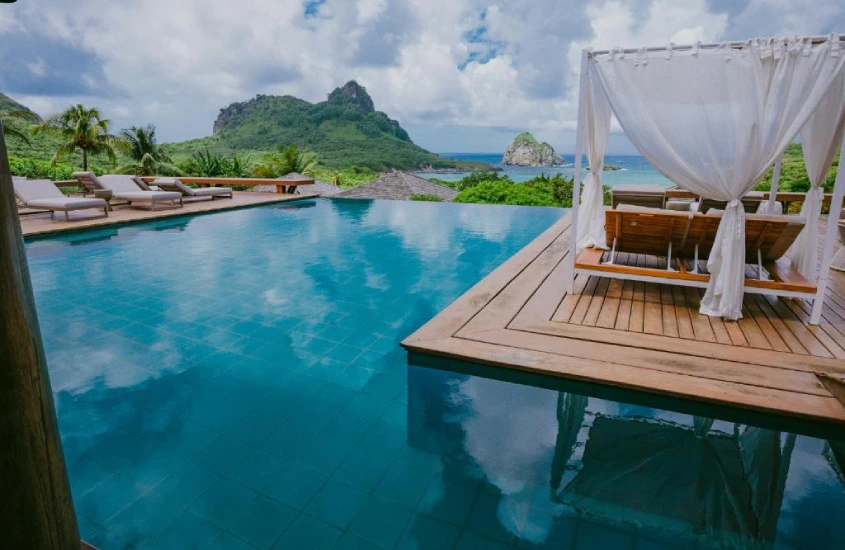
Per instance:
x=685, y=240
x=44, y=195
x=173, y=184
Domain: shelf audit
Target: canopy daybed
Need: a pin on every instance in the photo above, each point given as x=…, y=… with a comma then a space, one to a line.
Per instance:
x=714, y=118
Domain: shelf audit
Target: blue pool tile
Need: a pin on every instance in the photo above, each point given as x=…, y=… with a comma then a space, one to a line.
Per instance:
x=353, y=542
x=225, y=456
x=321, y=453
x=336, y=503
x=186, y=531
x=354, y=377
x=285, y=440
x=362, y=470
x=260, y=522
x=383, y=439
x=403, y=485
x=218, y=502
x=380, y=521
x=296, y=485
x=346, y=429
x=545, y=530
x=344, y=353
x=471, y=541
x=448, y=502
x=106, y=539
x=310, y=533
x=497, y=518
x=186, y=484
x=420, y=459
x=144, y=519
x=594, y=535
x=385, y=386
x=258, y=469
x=108, y=498
x=253, y=428
x=84, y=474
x=230, y=542
x=152, y=468
x=424, y=533
x=367, y=406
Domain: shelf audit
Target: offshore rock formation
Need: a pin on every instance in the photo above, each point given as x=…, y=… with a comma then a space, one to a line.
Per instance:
x=525, y=150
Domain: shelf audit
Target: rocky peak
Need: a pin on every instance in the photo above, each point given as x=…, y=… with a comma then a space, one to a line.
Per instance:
x=525, y=150
x=352, y=91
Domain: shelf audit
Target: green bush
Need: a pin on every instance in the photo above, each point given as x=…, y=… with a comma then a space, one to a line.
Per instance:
x=43, y=169
x=426, y=198
x=540, y=191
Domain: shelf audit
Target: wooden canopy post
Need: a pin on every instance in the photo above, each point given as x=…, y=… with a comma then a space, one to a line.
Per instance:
x=576, y=180
x=36, y=508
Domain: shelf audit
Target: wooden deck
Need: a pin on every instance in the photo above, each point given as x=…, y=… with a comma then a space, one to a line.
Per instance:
x=644, y=336
x=41, y=223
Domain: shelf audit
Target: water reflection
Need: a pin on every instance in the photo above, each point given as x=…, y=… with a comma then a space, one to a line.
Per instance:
x=610, y=476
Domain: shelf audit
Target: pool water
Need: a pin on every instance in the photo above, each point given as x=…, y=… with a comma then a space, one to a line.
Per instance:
x=234, y=380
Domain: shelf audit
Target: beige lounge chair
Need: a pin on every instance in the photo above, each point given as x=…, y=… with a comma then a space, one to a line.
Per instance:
x=124, y=187
x=44, y=195
x=686, y=238
x=173, y=184
x=651, y=196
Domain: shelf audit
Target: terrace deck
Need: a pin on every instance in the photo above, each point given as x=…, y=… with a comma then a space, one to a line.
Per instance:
x=41, y=223
x=644, y=336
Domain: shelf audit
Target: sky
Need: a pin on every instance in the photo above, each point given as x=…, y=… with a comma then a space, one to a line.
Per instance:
x=459, y=75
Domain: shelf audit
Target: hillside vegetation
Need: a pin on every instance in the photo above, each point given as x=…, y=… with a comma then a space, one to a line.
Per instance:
x=344, y=131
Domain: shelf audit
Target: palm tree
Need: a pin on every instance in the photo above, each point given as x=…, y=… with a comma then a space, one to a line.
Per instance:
x=286, y=160
x=82, y=128
x=12, y=121
x=142, y=147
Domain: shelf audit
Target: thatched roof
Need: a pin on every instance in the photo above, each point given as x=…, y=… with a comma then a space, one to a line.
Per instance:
x=399, y=186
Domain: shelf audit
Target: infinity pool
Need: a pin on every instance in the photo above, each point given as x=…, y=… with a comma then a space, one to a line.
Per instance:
x=234, y=380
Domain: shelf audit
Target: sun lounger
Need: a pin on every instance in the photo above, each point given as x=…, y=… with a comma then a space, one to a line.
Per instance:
x=43, y=194
x=124, y=187
x=173, y=184
x=685, y=241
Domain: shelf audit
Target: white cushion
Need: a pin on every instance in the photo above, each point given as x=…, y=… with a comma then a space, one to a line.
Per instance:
x=152, y=196
x=29, y=190
x=119, y=183
x=68, y=203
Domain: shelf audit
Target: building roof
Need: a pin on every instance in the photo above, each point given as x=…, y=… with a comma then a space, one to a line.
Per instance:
x=399, y=186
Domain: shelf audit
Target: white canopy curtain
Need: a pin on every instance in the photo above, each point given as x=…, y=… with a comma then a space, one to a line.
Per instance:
x=596, y=115
x=713, y=120
x=821, y=138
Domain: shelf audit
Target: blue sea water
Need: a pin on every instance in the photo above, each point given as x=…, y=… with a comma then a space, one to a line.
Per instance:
x=635, y=169
x=234, y=380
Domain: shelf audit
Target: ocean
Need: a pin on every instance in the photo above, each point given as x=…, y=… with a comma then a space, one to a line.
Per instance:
x=635, y=169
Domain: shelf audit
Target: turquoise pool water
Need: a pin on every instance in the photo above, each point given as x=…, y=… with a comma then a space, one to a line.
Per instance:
x=234, y=381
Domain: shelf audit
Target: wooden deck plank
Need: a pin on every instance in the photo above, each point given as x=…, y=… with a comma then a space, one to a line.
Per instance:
x=645, y=337
x=677, y=385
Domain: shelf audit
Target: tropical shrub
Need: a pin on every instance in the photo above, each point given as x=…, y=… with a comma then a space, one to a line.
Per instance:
x=426, y=198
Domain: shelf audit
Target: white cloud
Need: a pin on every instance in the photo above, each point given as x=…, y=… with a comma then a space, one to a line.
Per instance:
x=488, y=64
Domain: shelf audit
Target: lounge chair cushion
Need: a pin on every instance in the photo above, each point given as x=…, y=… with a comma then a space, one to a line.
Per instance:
x=68, y=203
x=29, y=190
x=124, y=187
x=175, y=183
x=44, y=194
x=679, y=205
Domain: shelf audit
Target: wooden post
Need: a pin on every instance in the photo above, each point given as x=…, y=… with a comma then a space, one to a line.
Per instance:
x=36, y=508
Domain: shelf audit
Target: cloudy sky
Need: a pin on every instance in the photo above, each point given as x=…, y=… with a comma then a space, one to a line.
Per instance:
x=460, y=75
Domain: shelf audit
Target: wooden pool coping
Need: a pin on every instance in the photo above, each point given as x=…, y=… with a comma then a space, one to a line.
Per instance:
x=508, y=320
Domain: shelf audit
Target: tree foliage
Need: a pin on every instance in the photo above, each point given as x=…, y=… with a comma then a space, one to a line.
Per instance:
x=82, y=128
x=491, y=188
x=148, y=158
x=426, y=198
x=286, y=160
x=15, y=123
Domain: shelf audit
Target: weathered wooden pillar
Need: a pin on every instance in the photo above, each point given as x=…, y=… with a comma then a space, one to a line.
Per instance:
x=36, y=508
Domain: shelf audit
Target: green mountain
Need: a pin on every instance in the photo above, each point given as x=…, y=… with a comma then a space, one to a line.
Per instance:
x=8, y=104
x=344, y=131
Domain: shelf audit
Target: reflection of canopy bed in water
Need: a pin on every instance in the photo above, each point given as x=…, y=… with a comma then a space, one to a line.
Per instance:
x=834, y=452
x=714, y=118
x=687, y=481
